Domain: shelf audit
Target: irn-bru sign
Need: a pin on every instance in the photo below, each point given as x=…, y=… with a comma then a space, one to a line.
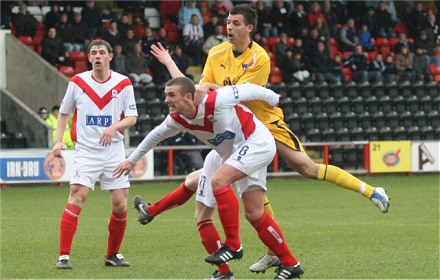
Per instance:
x=390, y=156
x=39, y=165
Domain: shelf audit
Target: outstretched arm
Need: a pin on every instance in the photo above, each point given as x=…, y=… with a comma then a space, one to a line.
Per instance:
x=162, y=55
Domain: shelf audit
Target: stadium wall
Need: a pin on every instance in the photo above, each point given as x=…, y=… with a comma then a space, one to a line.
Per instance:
x=3, y=58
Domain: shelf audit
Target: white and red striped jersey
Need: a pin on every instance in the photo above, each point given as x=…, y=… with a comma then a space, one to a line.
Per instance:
x=96, y=106
x=220, y=121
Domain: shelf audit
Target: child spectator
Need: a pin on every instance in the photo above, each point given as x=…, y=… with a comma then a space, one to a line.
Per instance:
x=390, y=74
x=336, y=68
x=293, y=68
x=365, y=38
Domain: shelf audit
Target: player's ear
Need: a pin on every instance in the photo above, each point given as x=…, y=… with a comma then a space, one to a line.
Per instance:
x=111, y=56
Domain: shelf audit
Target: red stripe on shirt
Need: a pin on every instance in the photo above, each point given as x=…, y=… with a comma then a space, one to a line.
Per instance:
x=100, y=102
x=246, y=120
x=73, y=134
x=209, y=111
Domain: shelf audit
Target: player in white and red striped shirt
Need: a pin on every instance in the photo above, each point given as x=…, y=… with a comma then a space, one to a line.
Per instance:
x=245, y=148
x=104, y=106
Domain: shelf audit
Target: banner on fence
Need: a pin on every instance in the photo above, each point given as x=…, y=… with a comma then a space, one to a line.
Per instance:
x=425, y=156
x=390, y=156
x=39, y=165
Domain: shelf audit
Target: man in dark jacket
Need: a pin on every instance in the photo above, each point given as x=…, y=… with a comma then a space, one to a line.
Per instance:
x=358, y=63
x=53, y=49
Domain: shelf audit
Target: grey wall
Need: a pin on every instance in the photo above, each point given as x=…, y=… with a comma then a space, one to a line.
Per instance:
x=30, y=78
x=20, y=118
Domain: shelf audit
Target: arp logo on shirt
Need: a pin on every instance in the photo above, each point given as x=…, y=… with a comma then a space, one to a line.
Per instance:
x=219, y=138
x=105, y=121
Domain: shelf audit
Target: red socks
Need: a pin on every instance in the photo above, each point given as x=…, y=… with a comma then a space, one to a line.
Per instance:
x=116, y=229
x=227, y=205
x=175, y=198
x=272, y=237
x=211, y=240
x=69, y=222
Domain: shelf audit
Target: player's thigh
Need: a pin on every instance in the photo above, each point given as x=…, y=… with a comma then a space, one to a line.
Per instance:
x=113, y=156
x=86, y=168
x=192, y=180
x=298, y=160
x=204, y=188
x=284, y=135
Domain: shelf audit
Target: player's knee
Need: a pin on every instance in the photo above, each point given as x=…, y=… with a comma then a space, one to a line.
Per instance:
x=253, y=214
x=192, y=180
x=308, y=169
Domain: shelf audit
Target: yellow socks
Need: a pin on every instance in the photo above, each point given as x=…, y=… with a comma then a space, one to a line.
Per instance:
x=342, y=178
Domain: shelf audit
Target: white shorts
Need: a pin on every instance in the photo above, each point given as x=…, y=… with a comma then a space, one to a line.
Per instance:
x=88, y=167
x=251, y=159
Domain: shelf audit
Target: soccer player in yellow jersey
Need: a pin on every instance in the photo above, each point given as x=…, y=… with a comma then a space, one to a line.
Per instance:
x=237, y=61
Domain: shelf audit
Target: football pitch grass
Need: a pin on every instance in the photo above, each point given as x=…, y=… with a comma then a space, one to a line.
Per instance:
x=334, y=233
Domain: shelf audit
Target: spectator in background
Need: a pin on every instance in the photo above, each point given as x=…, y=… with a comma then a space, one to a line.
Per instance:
x=182, y=61
x=365, y=38
x=127, y=42
x=432, y=28
x=281, y=48
x=421, y=66
x=169, y=9
x=209, y=28
x=384, y=21
x=427, y=46
x=220, y=10
x=355, y=10
x=347, y=36
x=390, y=73
x=330, y=17
x=256, y=37
x=280, y=16
x=320, y=65
x=25, y=24
x=43, y=113
x=265, y=21
x=402, y=41
x=416, y=19
x=138, y=27
x=92, y=18
x=186, y=13
x=369, y=19
x=137, y=66
x=314, y=12
x=68, y=9
x=336, y=68
x=193, y=38
x=119, y=60
x=160, y=72
x=205, y=12
x=298, y=47
x=294, y=69
x=360, y=68
x=124, y=24
x=52, y=17
x=298, y=19
x=162, y=38
x=65, y=32
x=52, y=49
x=311, y=43
x=107, y=15
x=377, y=64
x=214, y=40
x=112, y=35
x=147, y=41
x=404, y=64
x=321, y=26
x=80, y=36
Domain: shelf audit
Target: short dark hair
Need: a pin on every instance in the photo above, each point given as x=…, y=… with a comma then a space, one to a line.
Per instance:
x=185, y=84
x=100, y=42
x=249, y=14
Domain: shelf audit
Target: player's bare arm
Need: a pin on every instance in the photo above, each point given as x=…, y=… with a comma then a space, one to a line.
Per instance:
x=109, y=133
x=59, y=145
x=162, y=55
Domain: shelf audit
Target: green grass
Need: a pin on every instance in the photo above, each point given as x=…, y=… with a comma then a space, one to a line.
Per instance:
x=333, y=232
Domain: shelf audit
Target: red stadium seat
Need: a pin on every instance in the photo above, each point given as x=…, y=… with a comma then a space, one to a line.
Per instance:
x=68, y=71
x=399, y=28
x=393, y=41
x=384, y=50
x=272, y=41
x=78, y=56
x=290, y=41
x=173, y=33
x=382, y=42
x=81, y=66
x=272, y=58
x=276, y=76
x=332, y=41
x=28, y=41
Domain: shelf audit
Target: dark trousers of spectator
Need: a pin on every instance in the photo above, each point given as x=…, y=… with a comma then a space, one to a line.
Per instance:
x=408, y=75
x=196, y=49
x=328, y=77
x=365, y=76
